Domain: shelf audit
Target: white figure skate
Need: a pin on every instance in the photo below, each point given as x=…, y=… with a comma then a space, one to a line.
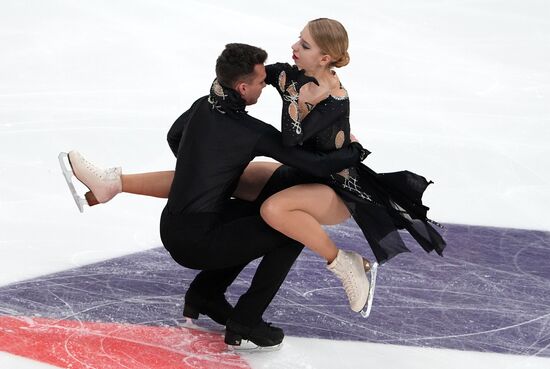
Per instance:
x=351, y=268
x=103, y=183
x=68, y=174
x=365, y=312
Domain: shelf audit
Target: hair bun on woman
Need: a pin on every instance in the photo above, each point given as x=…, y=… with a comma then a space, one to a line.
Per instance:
x=332, y=38
x=342, y=61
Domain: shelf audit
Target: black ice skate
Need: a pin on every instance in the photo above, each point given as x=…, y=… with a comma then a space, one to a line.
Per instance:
x=217, y=309
x=262, y=337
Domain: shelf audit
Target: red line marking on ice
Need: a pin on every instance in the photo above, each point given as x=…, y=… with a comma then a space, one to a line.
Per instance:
x=87, y=345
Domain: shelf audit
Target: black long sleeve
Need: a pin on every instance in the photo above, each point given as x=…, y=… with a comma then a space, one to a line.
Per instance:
x=318, y=164
x=326, y=114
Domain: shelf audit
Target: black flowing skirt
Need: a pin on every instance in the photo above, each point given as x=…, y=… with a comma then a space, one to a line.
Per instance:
x=380, y=203
x=384, y=203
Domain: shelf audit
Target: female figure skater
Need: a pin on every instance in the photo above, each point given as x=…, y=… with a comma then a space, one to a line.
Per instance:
x=315, y=114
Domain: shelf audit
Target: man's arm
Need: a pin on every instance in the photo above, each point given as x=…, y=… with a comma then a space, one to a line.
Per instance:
x=318, y=164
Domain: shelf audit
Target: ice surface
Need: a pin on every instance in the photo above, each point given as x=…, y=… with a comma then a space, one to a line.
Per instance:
x=457, y=91
x=489, y=294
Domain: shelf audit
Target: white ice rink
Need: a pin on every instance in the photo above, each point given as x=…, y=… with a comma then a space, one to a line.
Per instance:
x=458, y=91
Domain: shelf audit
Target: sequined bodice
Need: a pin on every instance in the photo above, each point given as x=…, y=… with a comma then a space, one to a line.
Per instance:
x=324, y=128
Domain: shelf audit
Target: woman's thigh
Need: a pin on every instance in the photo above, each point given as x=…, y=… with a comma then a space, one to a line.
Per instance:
x=254, y=178
x=318, y=200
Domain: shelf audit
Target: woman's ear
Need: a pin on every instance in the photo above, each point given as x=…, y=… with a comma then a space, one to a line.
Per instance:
x=325, y=60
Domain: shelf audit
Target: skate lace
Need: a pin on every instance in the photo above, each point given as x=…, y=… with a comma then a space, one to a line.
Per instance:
x=346, y=277
x=348, y=286
x=103, y=174
x=92, y=168
x=111, y=173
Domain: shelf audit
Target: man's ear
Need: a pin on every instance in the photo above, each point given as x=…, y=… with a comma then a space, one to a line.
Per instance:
x=241, y=88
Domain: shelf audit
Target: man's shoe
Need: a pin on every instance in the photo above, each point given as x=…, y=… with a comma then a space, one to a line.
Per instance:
x=217, y=309
x=262, y=336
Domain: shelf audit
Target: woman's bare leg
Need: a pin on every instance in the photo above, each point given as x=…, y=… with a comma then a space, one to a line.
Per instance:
x=254, y=178
x=157, y=184
x=299, y=212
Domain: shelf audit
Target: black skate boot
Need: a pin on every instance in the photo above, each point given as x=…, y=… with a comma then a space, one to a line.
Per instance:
x=263, y=336
x=216, y=308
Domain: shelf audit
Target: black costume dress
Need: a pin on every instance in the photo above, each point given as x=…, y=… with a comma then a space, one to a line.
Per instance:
x=380, y=203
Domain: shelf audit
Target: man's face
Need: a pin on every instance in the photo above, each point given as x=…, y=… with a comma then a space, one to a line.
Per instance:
x=252, y=89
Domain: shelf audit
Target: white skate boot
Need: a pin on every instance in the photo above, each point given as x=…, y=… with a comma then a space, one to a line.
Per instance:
x=352, y=269
x=103, y=183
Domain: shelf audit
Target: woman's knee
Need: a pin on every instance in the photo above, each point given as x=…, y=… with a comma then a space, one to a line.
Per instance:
x=272, y=210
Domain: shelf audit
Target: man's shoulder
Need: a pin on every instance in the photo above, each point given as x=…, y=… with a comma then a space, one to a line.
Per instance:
x=200, y=100
x=195, y=104
x=258, y=125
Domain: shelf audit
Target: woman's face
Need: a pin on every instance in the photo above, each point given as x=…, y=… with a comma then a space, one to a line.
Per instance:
x=305, y=52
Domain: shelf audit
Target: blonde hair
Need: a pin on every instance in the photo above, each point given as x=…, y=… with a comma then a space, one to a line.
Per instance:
x=332, y=38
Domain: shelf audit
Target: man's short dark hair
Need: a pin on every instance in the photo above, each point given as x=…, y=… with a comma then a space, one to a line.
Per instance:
x=237, y=62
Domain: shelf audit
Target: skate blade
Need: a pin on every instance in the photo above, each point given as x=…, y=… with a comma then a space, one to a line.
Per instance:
x=249, y=346
x=372, y=276
x=189, y=323
x=68, y=174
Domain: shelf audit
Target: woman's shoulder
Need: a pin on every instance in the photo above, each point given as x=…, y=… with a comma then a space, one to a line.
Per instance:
x=281, y=67
x=283, y=75
x=279, y=73
x=277, y=69
x=339, y=94
x=337, y=90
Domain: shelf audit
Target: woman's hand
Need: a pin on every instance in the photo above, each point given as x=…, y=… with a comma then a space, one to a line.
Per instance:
x=364, y=152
